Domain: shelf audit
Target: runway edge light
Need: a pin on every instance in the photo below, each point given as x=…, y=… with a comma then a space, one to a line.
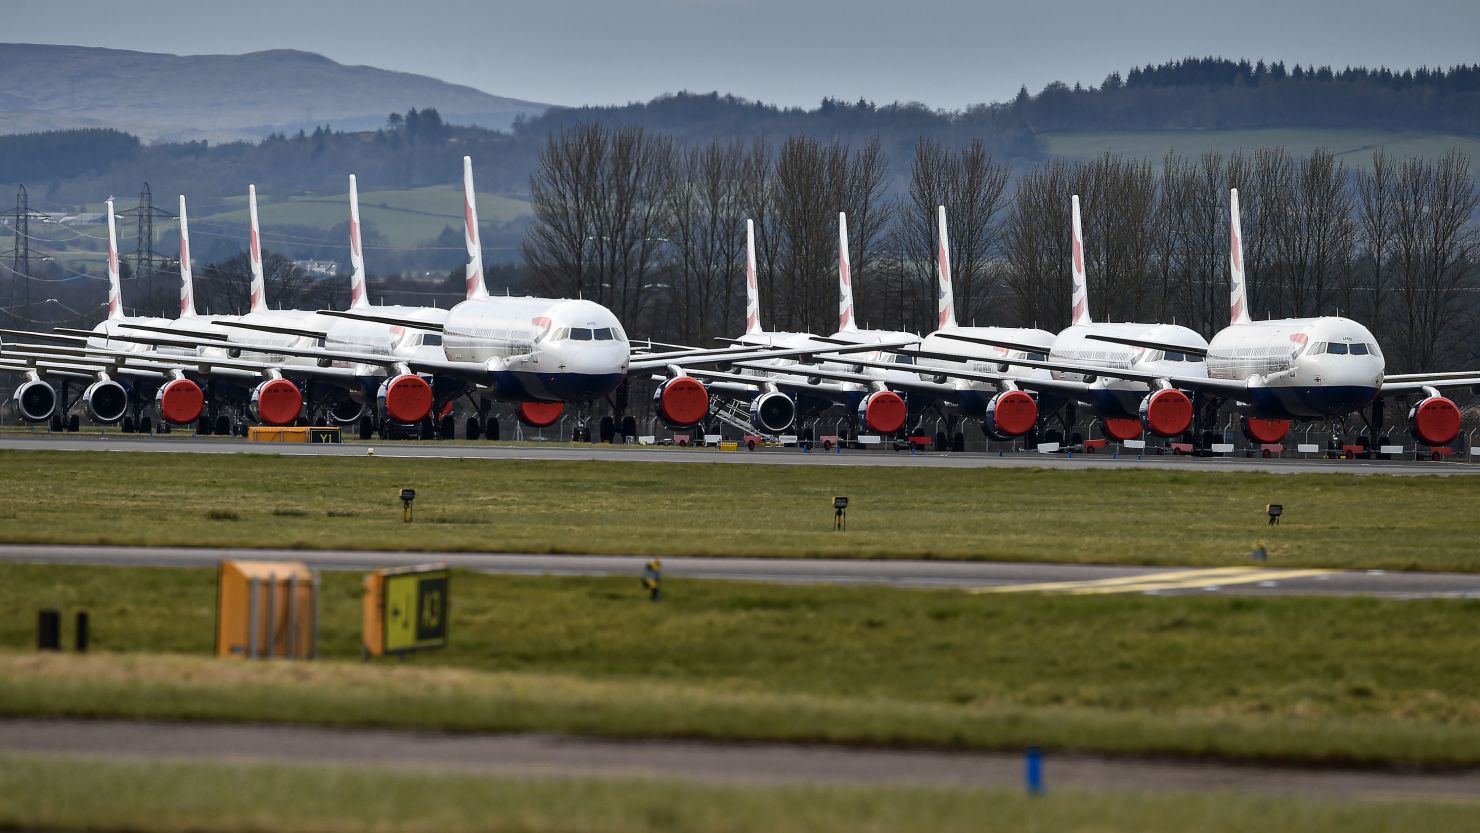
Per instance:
x=840, y=513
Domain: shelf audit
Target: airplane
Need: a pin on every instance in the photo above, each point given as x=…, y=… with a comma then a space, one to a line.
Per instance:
x=1280, y=370
x=1134, y=398
x=111, y=391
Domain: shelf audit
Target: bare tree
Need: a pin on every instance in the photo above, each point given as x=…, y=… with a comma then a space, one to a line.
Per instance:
x=1434, y=248
x=1376, y=194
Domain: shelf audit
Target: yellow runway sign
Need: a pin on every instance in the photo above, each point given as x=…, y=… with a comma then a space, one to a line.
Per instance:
x=406, y=610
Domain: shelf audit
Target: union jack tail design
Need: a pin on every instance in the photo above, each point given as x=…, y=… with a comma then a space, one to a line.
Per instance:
x=357, y=296
x=1238, y=298
x=845, y=278
x=476, y=288
x=187, y=280
x=259, y=283
x=945, y=298
x=1079, y=292
x=752, y=288
x=115, y=299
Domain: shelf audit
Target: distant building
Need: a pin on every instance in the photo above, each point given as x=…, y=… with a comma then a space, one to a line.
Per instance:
x=318, y=268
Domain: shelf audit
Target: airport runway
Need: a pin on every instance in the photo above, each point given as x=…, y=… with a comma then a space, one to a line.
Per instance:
x=746, y=763
x=978, y=577
x=770, y=456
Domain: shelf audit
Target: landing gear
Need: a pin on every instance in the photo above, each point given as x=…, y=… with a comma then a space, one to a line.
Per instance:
x=366, y=427
x=127, y=426
x=608, y=429
x=958, y=442
x=629, y=426
x=447, y=427
x=146, y=425
x=223, y=426
x=473, y=428
x=490, y=429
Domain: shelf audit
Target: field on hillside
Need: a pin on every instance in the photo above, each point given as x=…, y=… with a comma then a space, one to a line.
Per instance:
x=1355, y=147
x=1279, y=678
x=1140, y=516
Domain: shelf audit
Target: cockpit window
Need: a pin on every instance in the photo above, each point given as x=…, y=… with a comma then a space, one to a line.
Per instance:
x=902, y=359
x=1336, y=348
x=1359, y=349
x=431, y=340
x=580, y=334
x=603, y=333
x=1037, y=357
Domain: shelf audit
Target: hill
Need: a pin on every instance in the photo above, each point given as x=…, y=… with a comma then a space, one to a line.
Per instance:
x=222, y=97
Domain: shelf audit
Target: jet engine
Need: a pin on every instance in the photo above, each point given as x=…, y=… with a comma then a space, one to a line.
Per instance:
x=179, y=401
x=681, y=402
x=105, y=401
x=1011, y=413
x=882, y=412
x=405, y=399
x=35, y=400
x=539, y=414
x=1264, y=430
x=276, y=402
x=1435, y=421
x=1120, y=430
x=772, y=412
x=1166, y=412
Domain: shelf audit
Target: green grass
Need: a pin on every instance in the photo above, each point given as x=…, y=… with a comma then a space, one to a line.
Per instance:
x=405, y=217
x=1354, y=146
x=666, y=509
x=44, y=793
x=1311, y=680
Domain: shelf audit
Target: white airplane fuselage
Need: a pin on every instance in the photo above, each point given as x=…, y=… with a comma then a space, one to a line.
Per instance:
x=1121, y=398
x=973, y=396
x=542, y=349
x=1300, y=368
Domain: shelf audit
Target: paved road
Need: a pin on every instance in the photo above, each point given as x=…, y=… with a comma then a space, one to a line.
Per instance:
x=777, y=456
x=971, y=576
x=750, y=763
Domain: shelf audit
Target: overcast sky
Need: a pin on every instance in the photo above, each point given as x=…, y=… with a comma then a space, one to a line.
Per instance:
x=945, y=53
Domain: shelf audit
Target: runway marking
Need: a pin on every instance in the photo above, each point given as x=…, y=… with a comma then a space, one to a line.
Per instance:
x=1207, y=579
x=1050, y=586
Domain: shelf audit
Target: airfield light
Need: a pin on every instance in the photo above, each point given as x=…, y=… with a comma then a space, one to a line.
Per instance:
x=840, y=513
x=1275, y=510
x=652, y=580
x=407, y=495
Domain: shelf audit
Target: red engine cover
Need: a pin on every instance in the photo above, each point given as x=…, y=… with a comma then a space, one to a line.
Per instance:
x=407, y=398
x=683, y=402
x=1121, y=430
x=1014, y=413
x=539, y=414
x=180, y=402
x=884, y=412
x=1435, y=421
x=1266, y=430
x=278, y=402
x=1166, y=413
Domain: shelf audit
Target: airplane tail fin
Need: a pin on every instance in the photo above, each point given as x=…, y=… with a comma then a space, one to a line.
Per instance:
x=946, y=309
x=752, y=287
x=115, y=297
x=358, y=297
x=476, y=287
x=1238, y=300
x=1079, y=294
x=187, y=279
x=846, y=320
x=254, y=249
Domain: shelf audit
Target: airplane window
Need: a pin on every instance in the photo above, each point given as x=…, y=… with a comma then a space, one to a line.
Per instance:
x=1173, y=356
x=431, y=340
x=580, y=334
x=603, y=333
x=898, y=359
x=1359, y=349
x=1192, y=357
x=617, y=332
x=1037, y=357
x=1336, y=348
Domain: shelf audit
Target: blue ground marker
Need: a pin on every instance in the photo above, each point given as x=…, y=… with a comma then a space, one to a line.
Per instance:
x=1034, y=771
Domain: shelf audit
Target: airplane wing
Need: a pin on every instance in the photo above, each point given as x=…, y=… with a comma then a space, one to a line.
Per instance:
x=1391, y=388
x=380, y=318
x=1151, y=345
x=133, y=361
x=732, y=355
x=810, y=372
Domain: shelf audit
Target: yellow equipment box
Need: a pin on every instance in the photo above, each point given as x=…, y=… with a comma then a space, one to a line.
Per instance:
x=268, y=434
x=266, y=609
x=406, y=609
x=728, y=446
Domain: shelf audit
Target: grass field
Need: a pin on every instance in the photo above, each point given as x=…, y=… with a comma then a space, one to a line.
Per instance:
x=1355, y=147
x=1296, y=679
x=666, y=509
x=41, y=793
